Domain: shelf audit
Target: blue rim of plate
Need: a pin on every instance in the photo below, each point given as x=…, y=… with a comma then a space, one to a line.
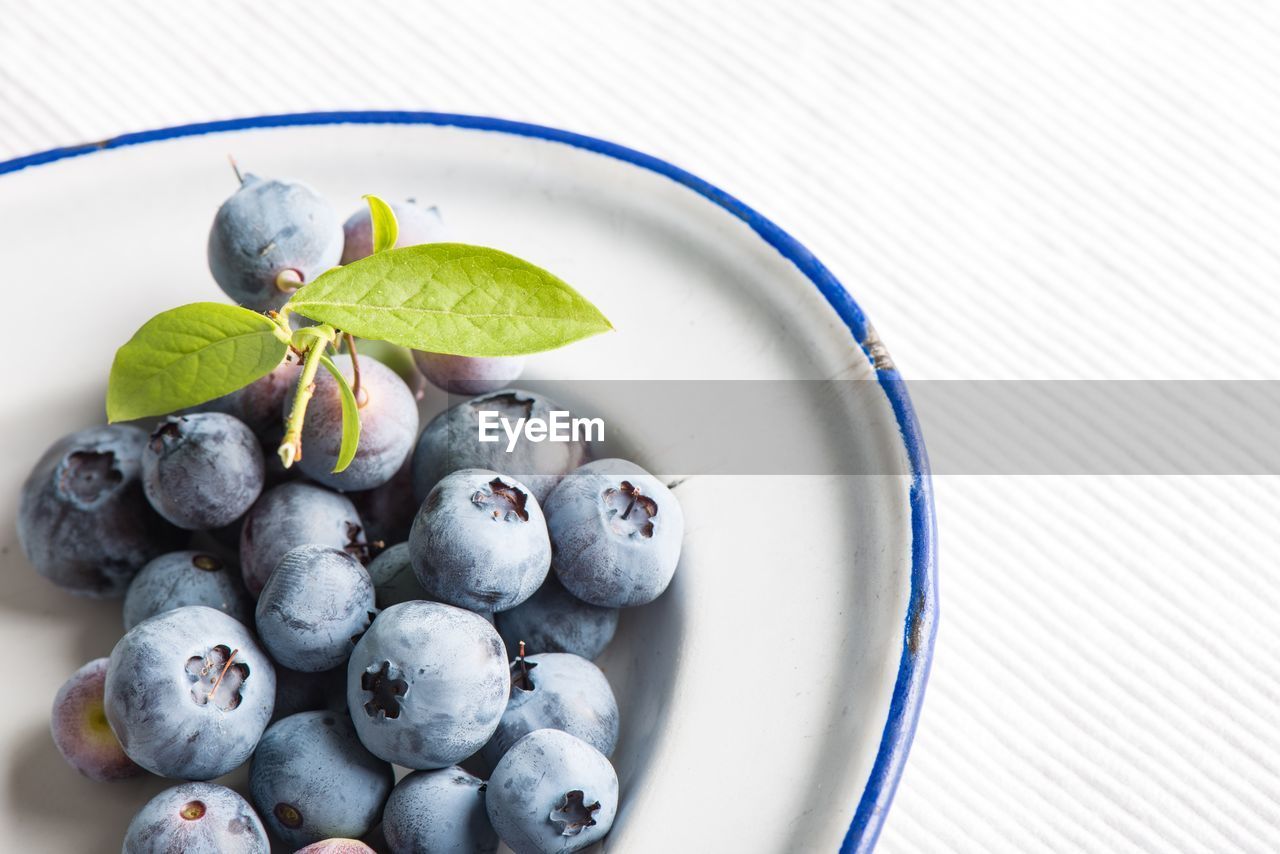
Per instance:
x=921, y=621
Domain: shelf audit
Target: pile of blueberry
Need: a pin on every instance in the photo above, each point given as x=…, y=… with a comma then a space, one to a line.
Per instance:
x=435, y=606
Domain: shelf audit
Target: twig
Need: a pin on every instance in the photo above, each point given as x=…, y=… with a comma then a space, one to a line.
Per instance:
x=355, y=367
x=291, y=445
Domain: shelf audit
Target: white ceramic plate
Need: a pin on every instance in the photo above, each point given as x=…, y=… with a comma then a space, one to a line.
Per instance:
x=768, y=699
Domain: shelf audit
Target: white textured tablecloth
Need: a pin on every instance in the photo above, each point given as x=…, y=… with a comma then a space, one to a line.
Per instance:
x=1041, y=190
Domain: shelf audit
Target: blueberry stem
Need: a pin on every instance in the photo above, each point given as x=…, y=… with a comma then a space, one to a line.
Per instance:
x=524, y=684
x=291, y=446
x=288, y=280
x=213, y=692
x=235, y=168
x=355, y=367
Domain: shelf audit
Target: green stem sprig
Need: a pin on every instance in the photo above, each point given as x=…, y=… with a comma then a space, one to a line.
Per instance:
x=311, y=342
x=439, y=297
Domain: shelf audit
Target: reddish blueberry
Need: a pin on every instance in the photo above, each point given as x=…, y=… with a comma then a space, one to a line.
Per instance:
x=80, y=728
x=260, y=403
x=469, y=375
x=415, y=224
x=336, y=846
x=388, y=427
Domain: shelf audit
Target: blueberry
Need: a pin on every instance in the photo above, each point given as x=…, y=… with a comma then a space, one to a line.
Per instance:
x=189, y=692
x=336, y=846
x=294, y=514
x=309, y=692
x=427, y=684
x=388, y=427
x=270, y=237
x=83, y=520
x=441, y=812
x=196, y=818
x=480, y=541
x=186, y=578
x=552, y=793
x=556, y=690
x=388, y=510
x=312, y=779
x=393, y=578
x=469, y=374
x=451, y=442
x=80, y=729
x=314, y=607
x=414, y=225
x=202, y=470
x=616, y=532
x=554, y=620
x=260, y=403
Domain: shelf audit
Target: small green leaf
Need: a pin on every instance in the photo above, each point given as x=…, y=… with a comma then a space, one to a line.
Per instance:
x=451, y=298
x=383, y=221
x=189, y=355
x=350, y=417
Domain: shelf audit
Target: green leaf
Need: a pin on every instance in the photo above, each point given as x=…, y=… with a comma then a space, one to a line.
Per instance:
x=350, y=417
x=189, y=355
x=383, y=222
x=451, y=298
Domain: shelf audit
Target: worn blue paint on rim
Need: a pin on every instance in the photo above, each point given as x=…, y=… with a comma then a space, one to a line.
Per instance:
x=921, y=620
